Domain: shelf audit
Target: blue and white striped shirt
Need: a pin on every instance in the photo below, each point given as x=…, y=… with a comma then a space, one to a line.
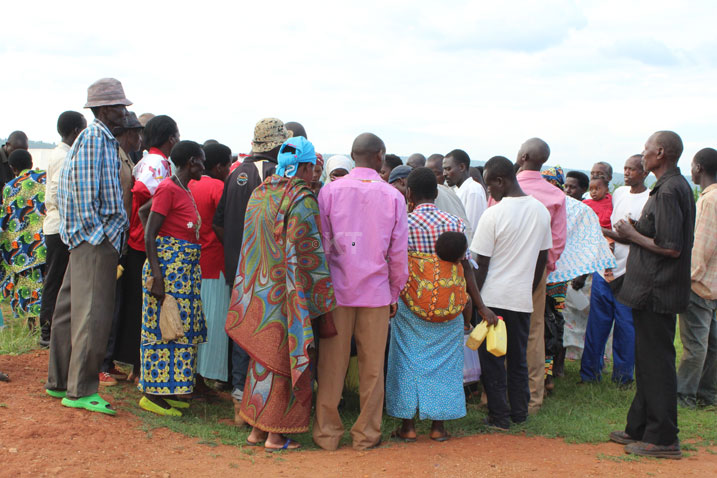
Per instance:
x=89, y=195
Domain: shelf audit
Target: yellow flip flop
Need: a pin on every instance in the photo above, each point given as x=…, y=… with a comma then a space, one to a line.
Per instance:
x=150, y=406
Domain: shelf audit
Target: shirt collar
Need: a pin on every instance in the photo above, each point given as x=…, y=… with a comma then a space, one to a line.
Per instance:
x=711, y=187
x=530, y=174
x=158, y=151
x=364, y=173
x=424, y=206
x=466, y=182
x=668, y=174
x=105, y=130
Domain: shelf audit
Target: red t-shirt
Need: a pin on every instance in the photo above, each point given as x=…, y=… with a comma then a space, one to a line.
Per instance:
x=603, y=209
x=149, y=172
x=175, y=204
x=207, y=192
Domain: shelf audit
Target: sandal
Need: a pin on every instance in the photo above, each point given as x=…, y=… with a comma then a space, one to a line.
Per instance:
x=177, y=403
x=56, y=393
x=147, y=404
x=441, y=438
x=287, y=446
x=93, y=403
x=396, y=434
x=253, y=443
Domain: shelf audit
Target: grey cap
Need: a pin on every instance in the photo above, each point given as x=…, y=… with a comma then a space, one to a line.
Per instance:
x=399, y=172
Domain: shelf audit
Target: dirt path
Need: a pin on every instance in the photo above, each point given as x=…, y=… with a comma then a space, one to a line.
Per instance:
x=38, y=437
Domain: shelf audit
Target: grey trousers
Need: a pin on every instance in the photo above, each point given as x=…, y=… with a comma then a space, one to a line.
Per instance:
x=697, y=376
x=82, y=320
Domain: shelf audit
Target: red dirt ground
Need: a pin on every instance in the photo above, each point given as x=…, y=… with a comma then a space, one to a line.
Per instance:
x=38, y=438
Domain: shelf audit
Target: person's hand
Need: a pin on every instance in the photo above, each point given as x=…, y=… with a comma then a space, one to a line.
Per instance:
x=579, y=282
x=157, y=289
x=624, y=229
x=488, y=315
x=392, y=309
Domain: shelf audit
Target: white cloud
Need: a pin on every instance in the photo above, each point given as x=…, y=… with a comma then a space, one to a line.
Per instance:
x=592, y=78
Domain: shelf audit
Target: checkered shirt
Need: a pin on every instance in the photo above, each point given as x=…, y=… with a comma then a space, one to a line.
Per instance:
x=426, y=223
x=89, y=195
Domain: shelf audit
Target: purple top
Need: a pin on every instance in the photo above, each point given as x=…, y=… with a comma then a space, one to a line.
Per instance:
x=365, y=233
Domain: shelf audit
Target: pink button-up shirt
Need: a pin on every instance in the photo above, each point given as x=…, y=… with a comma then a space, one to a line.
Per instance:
x=365, y=233
x=533, y=183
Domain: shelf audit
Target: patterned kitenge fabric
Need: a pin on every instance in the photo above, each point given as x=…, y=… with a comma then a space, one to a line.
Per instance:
x=169, y=367
x=586, y=250
x=554, y=176
x=425, y=359
x=282, y=283
x=22, y=243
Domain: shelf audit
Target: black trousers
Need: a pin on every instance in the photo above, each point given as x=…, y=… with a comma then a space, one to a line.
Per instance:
x=493, y=371
x=55, y=265
x=129, y=322
x=653, y=414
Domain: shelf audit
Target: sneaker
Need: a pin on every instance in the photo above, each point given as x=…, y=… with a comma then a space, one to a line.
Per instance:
x=106, y=380
x=237, y=394
x=117, y=374
x=619, y=436
x=656, y=451
x=490, y=423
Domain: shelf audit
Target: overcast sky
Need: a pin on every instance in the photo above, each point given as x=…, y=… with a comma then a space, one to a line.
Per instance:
x=592, y=78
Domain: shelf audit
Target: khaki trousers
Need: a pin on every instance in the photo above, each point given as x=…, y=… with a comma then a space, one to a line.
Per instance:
x=369, y=327
x=82, y=320
x=536, y=349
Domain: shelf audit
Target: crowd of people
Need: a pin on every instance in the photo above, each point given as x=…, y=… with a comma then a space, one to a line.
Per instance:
x=269, y=272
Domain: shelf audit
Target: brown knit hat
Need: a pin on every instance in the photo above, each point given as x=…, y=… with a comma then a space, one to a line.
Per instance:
x=106, y=92
x=268, y=134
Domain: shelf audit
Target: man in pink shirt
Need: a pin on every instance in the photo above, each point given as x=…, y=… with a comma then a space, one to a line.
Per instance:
x=365, y=234
x=531, y=157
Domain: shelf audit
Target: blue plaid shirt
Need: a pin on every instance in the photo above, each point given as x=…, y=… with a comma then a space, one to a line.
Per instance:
x=89, y=196
x=426, y=223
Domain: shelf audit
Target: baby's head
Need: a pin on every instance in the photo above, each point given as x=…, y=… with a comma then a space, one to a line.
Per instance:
x=451, y=246
x=598, y=188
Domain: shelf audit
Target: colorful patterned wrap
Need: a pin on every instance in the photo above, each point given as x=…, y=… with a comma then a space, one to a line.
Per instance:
x=282, y=282
x=436, y=289
x=168, y=367
x=22, y=243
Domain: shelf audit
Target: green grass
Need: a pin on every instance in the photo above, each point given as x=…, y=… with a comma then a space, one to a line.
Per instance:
x=575, y=413
x=15, y=337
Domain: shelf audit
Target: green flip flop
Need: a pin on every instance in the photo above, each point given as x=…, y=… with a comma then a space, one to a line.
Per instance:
x=93, y=403
x=177, y=403
x=150, y=406
x=56, y=393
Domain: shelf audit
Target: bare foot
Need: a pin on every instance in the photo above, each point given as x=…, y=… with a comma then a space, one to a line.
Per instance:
x=256, y=436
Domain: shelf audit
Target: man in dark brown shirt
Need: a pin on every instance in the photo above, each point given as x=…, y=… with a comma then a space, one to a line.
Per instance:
x=657, y=286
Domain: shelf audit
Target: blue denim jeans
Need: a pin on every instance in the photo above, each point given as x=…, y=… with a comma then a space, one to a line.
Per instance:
x=240, y=365
x=697, y=376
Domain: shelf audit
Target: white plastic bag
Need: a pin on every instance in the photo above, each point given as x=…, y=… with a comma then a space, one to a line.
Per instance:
x=471, y=364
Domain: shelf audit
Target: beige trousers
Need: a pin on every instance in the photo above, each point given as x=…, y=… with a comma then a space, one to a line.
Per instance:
x=536, y=349
x=369, y=327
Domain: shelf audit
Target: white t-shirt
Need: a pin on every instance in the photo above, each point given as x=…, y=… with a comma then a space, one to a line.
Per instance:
x=473, y=197
x=625, y=205
x=512, y=233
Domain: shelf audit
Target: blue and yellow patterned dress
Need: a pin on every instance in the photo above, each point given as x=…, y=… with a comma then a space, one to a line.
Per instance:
x=22, y=243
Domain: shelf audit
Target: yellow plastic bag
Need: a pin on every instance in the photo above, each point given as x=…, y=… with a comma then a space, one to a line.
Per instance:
x=477, y=336
x=497, y=339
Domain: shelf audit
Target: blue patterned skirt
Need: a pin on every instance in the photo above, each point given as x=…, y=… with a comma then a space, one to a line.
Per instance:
x=425, y=368
x=169, y=367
